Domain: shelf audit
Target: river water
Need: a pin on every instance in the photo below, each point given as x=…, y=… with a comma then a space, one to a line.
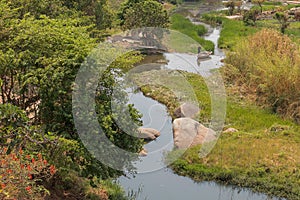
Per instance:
x=155, y=181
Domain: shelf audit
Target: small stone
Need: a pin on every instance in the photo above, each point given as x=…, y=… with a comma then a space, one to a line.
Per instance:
x=230, y=130
x=143, y=153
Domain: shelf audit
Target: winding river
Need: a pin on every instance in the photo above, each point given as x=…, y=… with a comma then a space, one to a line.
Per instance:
x=157, y=182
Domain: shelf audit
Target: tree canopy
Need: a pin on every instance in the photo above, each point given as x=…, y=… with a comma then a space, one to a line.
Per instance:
x=143, y=13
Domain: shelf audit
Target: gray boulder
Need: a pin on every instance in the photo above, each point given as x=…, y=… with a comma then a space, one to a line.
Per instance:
x=188, y=132
x=187, y=110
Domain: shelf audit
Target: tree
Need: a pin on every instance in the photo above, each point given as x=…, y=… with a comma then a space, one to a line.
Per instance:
x=283, y=19
x=145, y=14
x=250, y=17
x=39, y=63
x=259, y=3
x=230, y=5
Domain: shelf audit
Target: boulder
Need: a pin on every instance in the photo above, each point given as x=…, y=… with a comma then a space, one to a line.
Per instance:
x=187, y=110
x=143, y=153
x=188, y=132
x=148, y=133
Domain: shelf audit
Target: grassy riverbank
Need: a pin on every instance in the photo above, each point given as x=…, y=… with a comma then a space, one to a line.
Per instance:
x=233, y=31
x=263, y=155
x=183, y=25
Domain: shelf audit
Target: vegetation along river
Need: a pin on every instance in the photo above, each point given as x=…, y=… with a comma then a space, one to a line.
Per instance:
x=155, y=181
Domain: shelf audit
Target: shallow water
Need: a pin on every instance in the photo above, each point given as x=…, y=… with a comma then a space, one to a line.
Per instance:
x=156, y=181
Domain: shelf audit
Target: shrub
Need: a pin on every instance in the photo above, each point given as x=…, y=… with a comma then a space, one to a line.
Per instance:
x=267, y=66
x=21, y=176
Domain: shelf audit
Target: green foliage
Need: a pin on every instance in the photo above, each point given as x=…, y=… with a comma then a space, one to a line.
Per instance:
x=43, y=44
x=250, y=17
x=259, y=3
x=232, y=32
x=183, y=25
x=145, y=14
x=39, y=63
x=212, y=18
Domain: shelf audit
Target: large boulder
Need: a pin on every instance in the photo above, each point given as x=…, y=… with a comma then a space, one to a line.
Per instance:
x=187, y=110
x=148, y=133
x=188, y=132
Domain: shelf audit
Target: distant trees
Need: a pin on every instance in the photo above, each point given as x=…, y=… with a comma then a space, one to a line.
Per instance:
x=283, y=19
x=143, y=13
x=250, y=17
x=259, y=3
x=231, y=4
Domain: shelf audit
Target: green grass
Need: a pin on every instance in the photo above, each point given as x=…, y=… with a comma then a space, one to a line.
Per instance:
x=232, y=32
x=263, y=155
x=183, y=25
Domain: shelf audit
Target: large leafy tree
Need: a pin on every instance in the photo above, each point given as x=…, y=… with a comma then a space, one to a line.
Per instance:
x=40, y=57
x=40, y=61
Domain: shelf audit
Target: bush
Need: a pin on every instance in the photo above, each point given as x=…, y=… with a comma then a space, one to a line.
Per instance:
x=21, y=176
x=267, y=65
x=212, y=19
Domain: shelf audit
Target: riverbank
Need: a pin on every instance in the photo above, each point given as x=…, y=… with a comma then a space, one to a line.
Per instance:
x=263, y=154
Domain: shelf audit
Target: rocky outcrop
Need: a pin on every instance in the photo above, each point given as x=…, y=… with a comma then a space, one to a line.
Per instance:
x=188, y=132
x=187, y=110
x=148, y=133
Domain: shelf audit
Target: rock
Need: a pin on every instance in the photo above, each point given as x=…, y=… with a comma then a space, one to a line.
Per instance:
x=235, y=17
x=204, y=135
x=230, y=130
x=187, y=110
x=143, y=153
x=148, y=133
x=188, y=132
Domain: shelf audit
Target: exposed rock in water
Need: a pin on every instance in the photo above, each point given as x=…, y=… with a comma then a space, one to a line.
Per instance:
x=148, y=133
x=187, y=110
x=188, y=132
x=143, y=153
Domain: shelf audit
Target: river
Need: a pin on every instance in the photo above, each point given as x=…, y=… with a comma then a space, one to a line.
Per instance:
x=155, y=181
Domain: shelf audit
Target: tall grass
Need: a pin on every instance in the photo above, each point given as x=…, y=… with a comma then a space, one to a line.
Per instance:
x=267, y=67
